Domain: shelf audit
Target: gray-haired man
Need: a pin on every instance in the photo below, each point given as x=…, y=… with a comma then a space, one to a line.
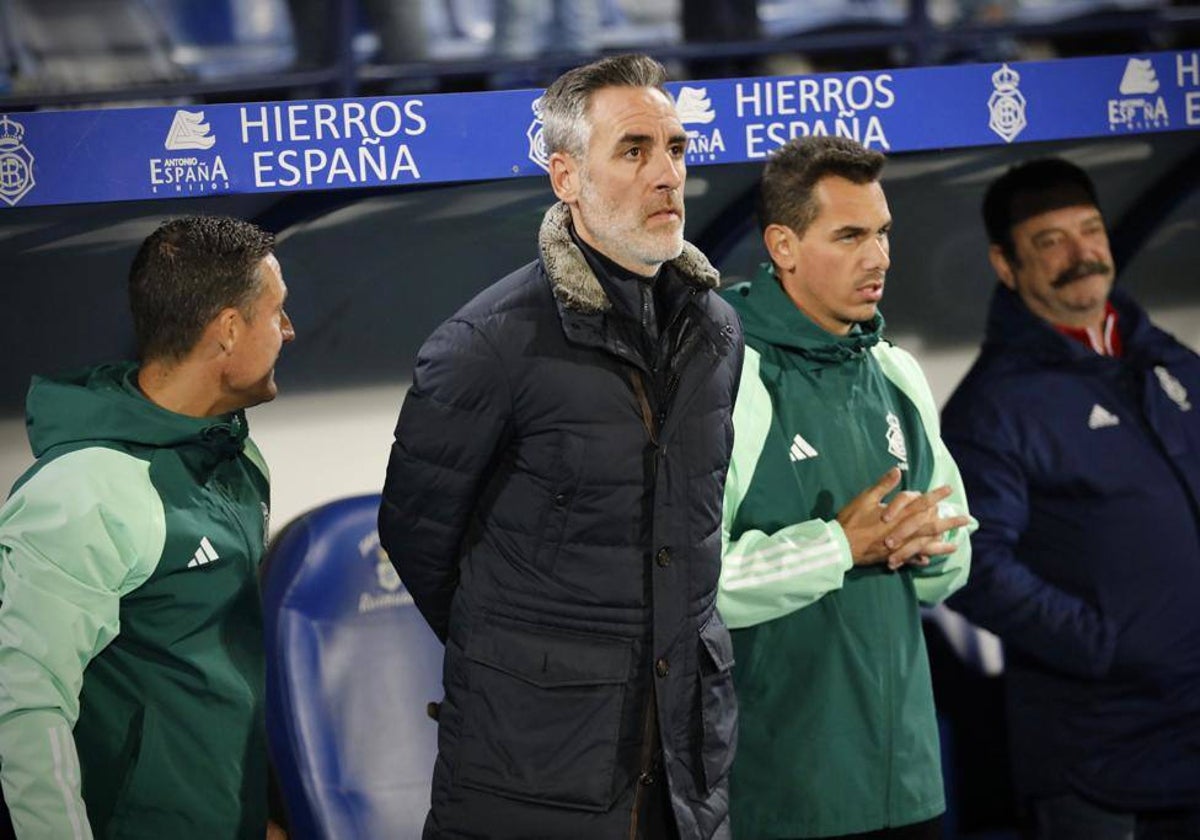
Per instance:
x=553, y=500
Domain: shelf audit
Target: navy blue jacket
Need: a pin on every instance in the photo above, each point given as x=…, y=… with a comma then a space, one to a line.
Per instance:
x=1084, y=473
x=553, y=504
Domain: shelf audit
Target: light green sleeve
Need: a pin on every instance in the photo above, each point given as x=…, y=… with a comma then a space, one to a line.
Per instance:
x=81, y=533
x=766, y=576
x=937, y=581
x=250, y=450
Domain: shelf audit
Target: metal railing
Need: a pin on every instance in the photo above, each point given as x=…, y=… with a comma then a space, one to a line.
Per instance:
x=337, y=71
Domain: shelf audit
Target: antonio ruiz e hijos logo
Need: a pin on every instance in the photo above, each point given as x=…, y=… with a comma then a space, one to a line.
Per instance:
x=1138, y=109
x=693, y=107
x=184, y=173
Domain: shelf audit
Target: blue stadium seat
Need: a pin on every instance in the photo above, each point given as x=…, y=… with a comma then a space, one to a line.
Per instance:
x=220, y=39
x=1058, y=11
x=6, y=48
x=351, y=667
x=57, y=46
x=639, y=24
x=458, y=30
x=781, y=18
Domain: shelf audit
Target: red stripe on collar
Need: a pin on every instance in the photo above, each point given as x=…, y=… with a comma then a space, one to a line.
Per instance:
x=1104, y=339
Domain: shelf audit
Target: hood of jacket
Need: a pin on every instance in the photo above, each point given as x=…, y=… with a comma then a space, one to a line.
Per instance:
x=575, y=285
x=104, y=403
x=769, y=316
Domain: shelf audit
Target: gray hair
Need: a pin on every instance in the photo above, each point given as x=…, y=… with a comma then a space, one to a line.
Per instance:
x=566, y=102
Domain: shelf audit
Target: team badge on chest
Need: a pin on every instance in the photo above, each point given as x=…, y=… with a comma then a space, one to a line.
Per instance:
x=1173, y=388
x=895, y=439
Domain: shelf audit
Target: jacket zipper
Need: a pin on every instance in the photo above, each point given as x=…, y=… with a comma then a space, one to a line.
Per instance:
x=647, y=410
x=650, y=722
x=218, y=487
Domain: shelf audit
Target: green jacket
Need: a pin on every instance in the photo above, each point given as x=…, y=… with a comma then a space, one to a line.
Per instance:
x=838, y=733
x=131, y=661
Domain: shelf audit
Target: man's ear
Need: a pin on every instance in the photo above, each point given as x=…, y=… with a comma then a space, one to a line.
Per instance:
x=1002, y=267
x=781, y=241
x=223, y=331
x=564, y=177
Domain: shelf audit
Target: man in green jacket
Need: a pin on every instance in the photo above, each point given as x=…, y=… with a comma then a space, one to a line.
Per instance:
x=843, y=513
x=131, y=659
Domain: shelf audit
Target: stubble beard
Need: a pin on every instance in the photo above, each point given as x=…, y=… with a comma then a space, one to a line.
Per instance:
x=626, y=239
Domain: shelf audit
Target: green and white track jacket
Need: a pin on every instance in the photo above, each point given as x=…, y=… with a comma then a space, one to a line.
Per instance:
x=131, y=661
x=838, y=733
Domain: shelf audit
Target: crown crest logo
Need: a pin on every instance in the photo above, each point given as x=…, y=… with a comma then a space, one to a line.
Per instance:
x=1006, y=79
x=1006, y=105
x=11, y=133
x=536, y=134
x=16, y=162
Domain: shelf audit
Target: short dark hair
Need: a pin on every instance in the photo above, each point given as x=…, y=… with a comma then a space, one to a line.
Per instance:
x=186, y=272
x=1029, y=189
x=565, y=103
x=785, y=192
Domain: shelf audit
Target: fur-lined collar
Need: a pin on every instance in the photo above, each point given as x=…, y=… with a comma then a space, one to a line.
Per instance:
x=572, y=279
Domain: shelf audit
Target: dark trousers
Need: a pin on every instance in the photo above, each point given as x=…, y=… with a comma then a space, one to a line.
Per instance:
x=1072, y=817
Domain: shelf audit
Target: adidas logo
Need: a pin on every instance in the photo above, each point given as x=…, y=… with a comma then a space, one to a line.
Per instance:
x=204, y=555
x=801, y=449
x=1101, y=418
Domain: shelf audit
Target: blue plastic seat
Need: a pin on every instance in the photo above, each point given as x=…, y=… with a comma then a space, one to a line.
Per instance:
x=781, y=18
x=1060, y=11
x=221, y=39
x=58, y=46
x=351, y=668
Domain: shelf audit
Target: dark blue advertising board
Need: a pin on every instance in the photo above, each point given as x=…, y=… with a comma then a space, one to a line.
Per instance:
x=71, y=157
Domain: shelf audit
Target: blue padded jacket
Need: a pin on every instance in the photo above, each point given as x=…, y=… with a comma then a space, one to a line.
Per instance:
x=1084, y=474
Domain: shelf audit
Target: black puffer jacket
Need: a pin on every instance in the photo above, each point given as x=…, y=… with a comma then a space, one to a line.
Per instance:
x=554, y=507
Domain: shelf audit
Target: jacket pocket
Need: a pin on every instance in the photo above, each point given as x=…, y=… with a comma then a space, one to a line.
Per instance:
x=563, y=487
x=543, y=714
x=143, y=787
x=718, y=704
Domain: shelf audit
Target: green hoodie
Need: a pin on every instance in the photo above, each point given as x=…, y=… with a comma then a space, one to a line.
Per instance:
x=131, y=662
x=838, y=733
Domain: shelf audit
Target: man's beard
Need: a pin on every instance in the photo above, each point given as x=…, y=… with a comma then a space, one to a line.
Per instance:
x=609, y=224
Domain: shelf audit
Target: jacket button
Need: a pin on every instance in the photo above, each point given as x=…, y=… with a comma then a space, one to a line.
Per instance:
x=662, y=667
x=646, y=779
x=663, y=558
x=560, y=499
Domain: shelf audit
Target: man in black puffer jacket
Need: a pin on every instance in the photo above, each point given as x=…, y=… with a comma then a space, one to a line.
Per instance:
x=553, y=500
